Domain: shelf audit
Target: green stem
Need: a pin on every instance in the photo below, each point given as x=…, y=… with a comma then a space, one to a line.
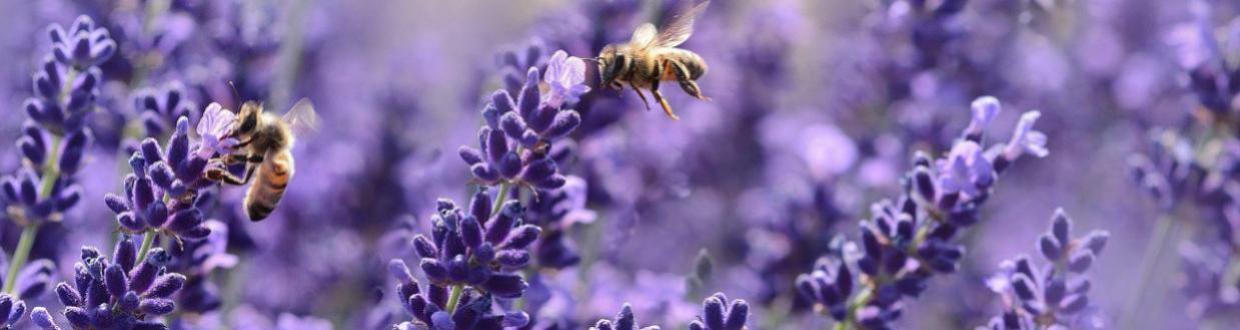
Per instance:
x=500, y=198
x=20, y=255
x=454, y=298
x=51, y=171
x=147, y=241
x=1149, y=262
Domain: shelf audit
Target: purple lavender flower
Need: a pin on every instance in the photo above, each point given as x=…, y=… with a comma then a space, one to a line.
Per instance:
x=717, y=314
x=1053, y=295
x=159, y=109
x=126, y=292
x=163, y=194
x=623, y=321
x=83, y=45
x=53, y=143
x=908, y=241
x=515, y=143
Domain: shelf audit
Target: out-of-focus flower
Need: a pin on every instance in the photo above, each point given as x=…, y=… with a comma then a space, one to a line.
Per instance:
x=83, y=45
x=159, y=109
x=908, y=241
x=1053, y=296
x=717, y=314
x=623, y=321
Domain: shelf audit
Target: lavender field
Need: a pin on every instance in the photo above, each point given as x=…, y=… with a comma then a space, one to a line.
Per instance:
x=620, y=164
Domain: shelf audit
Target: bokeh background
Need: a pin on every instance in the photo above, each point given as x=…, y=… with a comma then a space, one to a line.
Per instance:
x=817, y=107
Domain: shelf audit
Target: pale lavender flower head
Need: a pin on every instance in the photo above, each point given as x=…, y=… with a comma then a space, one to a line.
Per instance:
x=984, y=110
x=965, y=168
x=566, y=76
x=1025, y=139
x=213, y=130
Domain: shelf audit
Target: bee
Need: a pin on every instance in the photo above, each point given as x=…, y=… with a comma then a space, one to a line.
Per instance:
x=266, y=144
x=651, y=56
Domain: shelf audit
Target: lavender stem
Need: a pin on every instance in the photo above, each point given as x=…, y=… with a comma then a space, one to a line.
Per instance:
x=147, y=241
x=454, y=298
x=20, y=255
x=1149, y=261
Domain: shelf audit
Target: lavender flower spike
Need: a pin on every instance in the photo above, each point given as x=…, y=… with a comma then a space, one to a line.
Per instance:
x=1051, y=296
x=623, y=321
x=120, y=291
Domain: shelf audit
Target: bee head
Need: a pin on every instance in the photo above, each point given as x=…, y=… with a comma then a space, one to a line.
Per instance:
x=611, y=63
x=247, y=119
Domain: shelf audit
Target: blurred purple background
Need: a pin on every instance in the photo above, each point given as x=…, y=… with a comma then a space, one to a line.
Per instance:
x=816, y=110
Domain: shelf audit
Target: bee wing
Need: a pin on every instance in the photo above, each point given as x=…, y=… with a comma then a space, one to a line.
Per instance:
x=644, y=36
x=302, y=118
x=676, y=31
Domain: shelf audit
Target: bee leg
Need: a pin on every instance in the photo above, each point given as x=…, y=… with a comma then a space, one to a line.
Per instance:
x=642, y=96
x=654, y=89
x=687, y=84
x=222, y=175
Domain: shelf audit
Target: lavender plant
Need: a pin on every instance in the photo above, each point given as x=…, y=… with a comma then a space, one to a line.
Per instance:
x=130, y=291
x=907, y=242
x=1053, y=296
x=54, y=139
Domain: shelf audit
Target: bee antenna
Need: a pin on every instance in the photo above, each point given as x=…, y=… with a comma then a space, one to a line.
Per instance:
x=590, y=59
x=236, y=95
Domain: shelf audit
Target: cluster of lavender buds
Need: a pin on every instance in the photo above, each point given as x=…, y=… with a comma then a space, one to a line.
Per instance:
x=158, y=109
x=717, y=314
x=130, y=291
x=1054, y=295
x=475, y=255
x=196, y=260
x=908, y=241
x=516, y=142
x=164, y=193
x=623, y=321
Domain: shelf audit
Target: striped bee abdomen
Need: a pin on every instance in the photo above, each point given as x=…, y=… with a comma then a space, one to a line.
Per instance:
x=271, y=180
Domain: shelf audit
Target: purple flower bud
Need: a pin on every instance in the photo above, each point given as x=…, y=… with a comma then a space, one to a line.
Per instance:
x=165, y=286
x=116, y=281
x=157, y=306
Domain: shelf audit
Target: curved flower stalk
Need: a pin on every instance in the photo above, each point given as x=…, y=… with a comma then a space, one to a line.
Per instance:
x=53, y=142
x=126, y=292
x=1051, y=296
x=911, y=239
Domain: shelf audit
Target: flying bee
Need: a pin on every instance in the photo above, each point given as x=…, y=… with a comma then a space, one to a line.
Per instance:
x=651, y=56
x=266, y=145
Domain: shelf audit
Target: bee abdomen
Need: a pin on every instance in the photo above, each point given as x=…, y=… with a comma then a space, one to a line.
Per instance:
x=691, y=62
x=268, y=189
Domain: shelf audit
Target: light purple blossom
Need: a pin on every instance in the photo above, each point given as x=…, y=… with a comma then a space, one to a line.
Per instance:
x=565, y=76
x=965, y=168
x=984, y=111
x=1025, y=139
x=213, y=128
